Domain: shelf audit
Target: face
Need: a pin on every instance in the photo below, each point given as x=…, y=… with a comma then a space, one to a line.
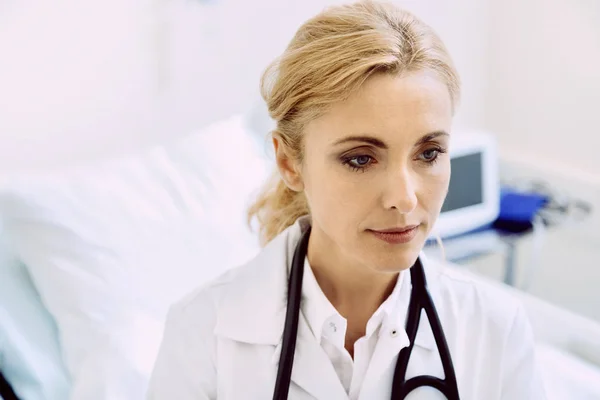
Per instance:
x=376, y=171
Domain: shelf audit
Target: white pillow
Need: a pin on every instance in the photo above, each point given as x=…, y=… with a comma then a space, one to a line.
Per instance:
x=30, y=357
x=110, y=246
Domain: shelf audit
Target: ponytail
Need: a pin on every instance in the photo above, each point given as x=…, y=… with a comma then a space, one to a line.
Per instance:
x=277, y=208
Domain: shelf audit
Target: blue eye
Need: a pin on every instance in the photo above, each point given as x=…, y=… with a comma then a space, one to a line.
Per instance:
x=362, y=160
x=431, y=155
x=358, y=162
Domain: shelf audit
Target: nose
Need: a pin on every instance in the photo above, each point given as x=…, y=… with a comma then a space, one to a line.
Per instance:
x=400, y=192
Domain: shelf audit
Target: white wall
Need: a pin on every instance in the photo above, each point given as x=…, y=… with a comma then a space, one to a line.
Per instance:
x=235, y=40
x=543, y=102
x=81, y=79
x=71, y=73
x=544, y=93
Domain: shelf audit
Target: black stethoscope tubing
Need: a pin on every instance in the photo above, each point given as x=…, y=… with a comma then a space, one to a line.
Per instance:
x=420, y=299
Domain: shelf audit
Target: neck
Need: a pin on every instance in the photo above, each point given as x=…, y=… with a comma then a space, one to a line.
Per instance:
x=355, y=290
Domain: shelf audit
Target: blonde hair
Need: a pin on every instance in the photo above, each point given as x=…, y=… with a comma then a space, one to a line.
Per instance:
x=331, y=56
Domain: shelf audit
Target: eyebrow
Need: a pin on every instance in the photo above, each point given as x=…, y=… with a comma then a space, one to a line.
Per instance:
x=379, y=143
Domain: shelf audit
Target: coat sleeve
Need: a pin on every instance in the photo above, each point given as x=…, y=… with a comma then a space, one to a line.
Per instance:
x=521, y=378
x=185, y=366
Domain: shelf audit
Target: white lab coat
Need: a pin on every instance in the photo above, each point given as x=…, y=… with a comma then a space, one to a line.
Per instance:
x=223, y=341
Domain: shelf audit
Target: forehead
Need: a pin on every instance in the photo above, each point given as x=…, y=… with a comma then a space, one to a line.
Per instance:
x=391, y=107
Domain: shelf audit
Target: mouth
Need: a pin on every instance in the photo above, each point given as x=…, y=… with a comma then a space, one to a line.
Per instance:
x=396, y=235
x=396, y=230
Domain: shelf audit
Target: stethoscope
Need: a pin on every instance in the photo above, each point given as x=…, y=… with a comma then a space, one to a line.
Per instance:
x=420, y=299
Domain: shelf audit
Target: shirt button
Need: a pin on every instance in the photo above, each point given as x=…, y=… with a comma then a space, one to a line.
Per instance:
x=394, y=333
x=333, y=327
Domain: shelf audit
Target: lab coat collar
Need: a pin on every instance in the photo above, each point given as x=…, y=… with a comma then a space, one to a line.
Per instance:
x=253, y=307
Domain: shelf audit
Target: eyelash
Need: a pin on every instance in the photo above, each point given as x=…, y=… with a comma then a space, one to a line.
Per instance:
x=348, y=160
x=438, y=151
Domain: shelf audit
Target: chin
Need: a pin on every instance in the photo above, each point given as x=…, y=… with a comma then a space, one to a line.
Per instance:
x=394, y=258
x=396, y=261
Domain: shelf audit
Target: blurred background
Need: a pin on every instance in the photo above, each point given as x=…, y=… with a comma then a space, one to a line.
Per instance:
x=105, y=100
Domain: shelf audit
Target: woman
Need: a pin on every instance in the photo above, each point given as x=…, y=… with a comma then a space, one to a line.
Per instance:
x=363, y=98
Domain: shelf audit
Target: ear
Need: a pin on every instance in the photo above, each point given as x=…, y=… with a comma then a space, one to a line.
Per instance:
x=287, y=165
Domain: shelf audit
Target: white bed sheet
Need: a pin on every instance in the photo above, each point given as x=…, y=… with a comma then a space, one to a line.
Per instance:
x=566, y=376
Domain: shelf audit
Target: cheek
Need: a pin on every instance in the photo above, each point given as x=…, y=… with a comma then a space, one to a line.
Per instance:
x=334, y=196
x=436, y=185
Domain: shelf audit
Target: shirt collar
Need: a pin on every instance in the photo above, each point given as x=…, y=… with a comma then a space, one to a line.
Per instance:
x=389, y=309
x=255, y=295
x=316, y=307
x=319, y=311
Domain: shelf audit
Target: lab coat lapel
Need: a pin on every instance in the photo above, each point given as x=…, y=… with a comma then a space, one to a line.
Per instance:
x=257, y=302
x=385, y=353
x=252, y=309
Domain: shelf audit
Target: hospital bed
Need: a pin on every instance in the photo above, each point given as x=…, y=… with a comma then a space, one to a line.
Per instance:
x=92, y=257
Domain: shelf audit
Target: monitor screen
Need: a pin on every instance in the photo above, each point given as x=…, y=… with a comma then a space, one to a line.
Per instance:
x=466, y=182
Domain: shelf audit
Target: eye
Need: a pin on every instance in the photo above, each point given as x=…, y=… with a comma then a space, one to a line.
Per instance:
x=430, y=156
x=358, y=163
x=361, y=161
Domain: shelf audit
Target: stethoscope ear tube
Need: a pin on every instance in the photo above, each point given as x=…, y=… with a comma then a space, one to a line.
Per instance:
x=290, y=331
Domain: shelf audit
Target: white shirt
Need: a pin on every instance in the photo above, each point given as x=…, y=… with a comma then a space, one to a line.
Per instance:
x=329, y=329
x=224, y=340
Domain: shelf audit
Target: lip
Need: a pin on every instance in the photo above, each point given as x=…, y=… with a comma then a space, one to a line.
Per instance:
x=396, y=230
x=396, y=235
